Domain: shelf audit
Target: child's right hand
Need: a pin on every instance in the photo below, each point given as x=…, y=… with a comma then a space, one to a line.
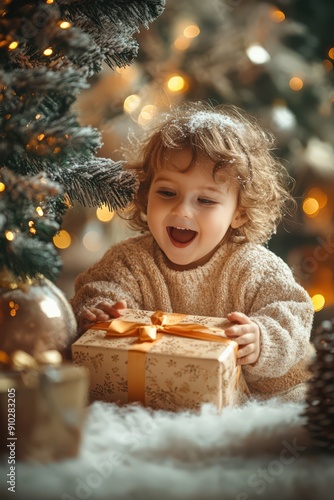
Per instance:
x=103, y=311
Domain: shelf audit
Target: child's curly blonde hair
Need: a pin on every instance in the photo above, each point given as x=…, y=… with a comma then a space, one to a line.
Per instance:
x=236, y=145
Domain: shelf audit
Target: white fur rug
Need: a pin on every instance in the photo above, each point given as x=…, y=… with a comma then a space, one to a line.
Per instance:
x=254, y=452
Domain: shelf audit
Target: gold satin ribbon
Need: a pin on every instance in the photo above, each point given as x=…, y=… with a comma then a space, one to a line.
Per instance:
x=146, y=335
x=169, y=323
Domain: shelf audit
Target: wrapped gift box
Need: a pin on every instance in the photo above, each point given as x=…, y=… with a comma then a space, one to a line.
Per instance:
x=171, y=372
x=42, y=412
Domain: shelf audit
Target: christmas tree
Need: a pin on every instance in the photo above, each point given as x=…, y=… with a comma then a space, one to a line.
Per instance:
x=48, y=51
x=273, y=59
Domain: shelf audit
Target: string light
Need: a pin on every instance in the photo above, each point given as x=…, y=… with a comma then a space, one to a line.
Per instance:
x=328, y=65
x=14, y=307
x=191, y=31
x=48, y=51
x=319, y=195
x=130, y=73
x=13, y=45
x=64, y=25
x=49, y=1
x=9, y=235
x=39, y=211
x=296, y=83
x=331, y=53
x=257, y=54
x=131, y=103
x=311, y=207
x=40, y=137
x=104, y=214
x=147, y=113
x=92, y=241
x=62, y=240
x=181, y=43
x=282, y=117
x=176, y=83
x=2, y=187
x=318, y=302
x=276, y=15
x=38, y=117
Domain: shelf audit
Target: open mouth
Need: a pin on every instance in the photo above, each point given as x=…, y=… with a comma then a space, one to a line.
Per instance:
x=181, y=237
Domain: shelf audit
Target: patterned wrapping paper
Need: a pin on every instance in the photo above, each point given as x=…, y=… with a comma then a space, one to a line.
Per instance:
x=50, y=410
x=172, y=373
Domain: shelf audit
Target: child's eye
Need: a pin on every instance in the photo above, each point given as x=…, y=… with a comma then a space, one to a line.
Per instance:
x=166, y=193
x=206, y=201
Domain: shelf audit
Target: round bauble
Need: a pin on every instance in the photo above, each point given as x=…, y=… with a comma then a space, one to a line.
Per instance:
x=35, y=316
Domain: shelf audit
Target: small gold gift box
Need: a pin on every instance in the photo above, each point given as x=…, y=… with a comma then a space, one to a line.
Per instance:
x=165, y=361
x=42, y=410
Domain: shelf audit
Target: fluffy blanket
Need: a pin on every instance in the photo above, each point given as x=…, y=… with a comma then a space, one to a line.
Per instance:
x=259, y=451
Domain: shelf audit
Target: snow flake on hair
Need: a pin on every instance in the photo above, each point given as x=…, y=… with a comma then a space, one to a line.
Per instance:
x=206, y=119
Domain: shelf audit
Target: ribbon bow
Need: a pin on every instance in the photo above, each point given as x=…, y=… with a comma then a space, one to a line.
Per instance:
x=169, y=323
x=21, y=360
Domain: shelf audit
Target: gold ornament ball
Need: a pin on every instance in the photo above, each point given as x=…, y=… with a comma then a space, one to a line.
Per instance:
x=35, y=316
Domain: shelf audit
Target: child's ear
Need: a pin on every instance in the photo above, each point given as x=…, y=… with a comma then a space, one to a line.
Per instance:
x=239, y=219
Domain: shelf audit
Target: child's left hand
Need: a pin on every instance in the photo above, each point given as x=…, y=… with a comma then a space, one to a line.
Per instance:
x=247, y=335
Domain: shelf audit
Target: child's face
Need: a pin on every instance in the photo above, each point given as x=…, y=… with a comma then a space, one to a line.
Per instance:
x=189, y=213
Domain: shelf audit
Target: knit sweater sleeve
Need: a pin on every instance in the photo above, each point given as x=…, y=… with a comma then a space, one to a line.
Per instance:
x=280, y=306
x=110, y=279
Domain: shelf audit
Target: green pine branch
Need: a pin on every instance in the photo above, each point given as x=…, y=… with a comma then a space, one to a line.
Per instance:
x=47, y=53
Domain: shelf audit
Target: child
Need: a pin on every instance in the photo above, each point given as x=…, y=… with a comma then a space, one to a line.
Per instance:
x=210, y=195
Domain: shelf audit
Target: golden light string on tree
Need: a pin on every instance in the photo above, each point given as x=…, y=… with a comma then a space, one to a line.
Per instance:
x=64, y=25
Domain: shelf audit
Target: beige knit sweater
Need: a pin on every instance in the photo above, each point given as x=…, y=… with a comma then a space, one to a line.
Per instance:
x=239, y=277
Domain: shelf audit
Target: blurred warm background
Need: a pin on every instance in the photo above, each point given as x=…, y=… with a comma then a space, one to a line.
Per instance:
x=275, y=60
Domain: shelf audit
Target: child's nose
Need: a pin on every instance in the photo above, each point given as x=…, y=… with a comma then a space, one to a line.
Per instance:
x=182, y=209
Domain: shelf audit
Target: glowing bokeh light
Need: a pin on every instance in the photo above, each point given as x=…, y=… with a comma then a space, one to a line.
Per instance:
x=296, y=83
x=328, y=65
x=176, y=83
x=191, y=31
x=319, y=195
x=92, y=241
x=310, y=206
x=64, y=25
x=257, y=54
x=62, y=240
x=318, y=302
x=181, y=43
x=48, y=51
x=277, y=15
x=13, y=45
x=148, y=111
x=131, y=103
x=9, y=235
x=283, y=118
x=104, y=214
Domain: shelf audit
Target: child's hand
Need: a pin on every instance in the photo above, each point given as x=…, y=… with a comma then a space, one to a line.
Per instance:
x=247, y=335
x=103, y=311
